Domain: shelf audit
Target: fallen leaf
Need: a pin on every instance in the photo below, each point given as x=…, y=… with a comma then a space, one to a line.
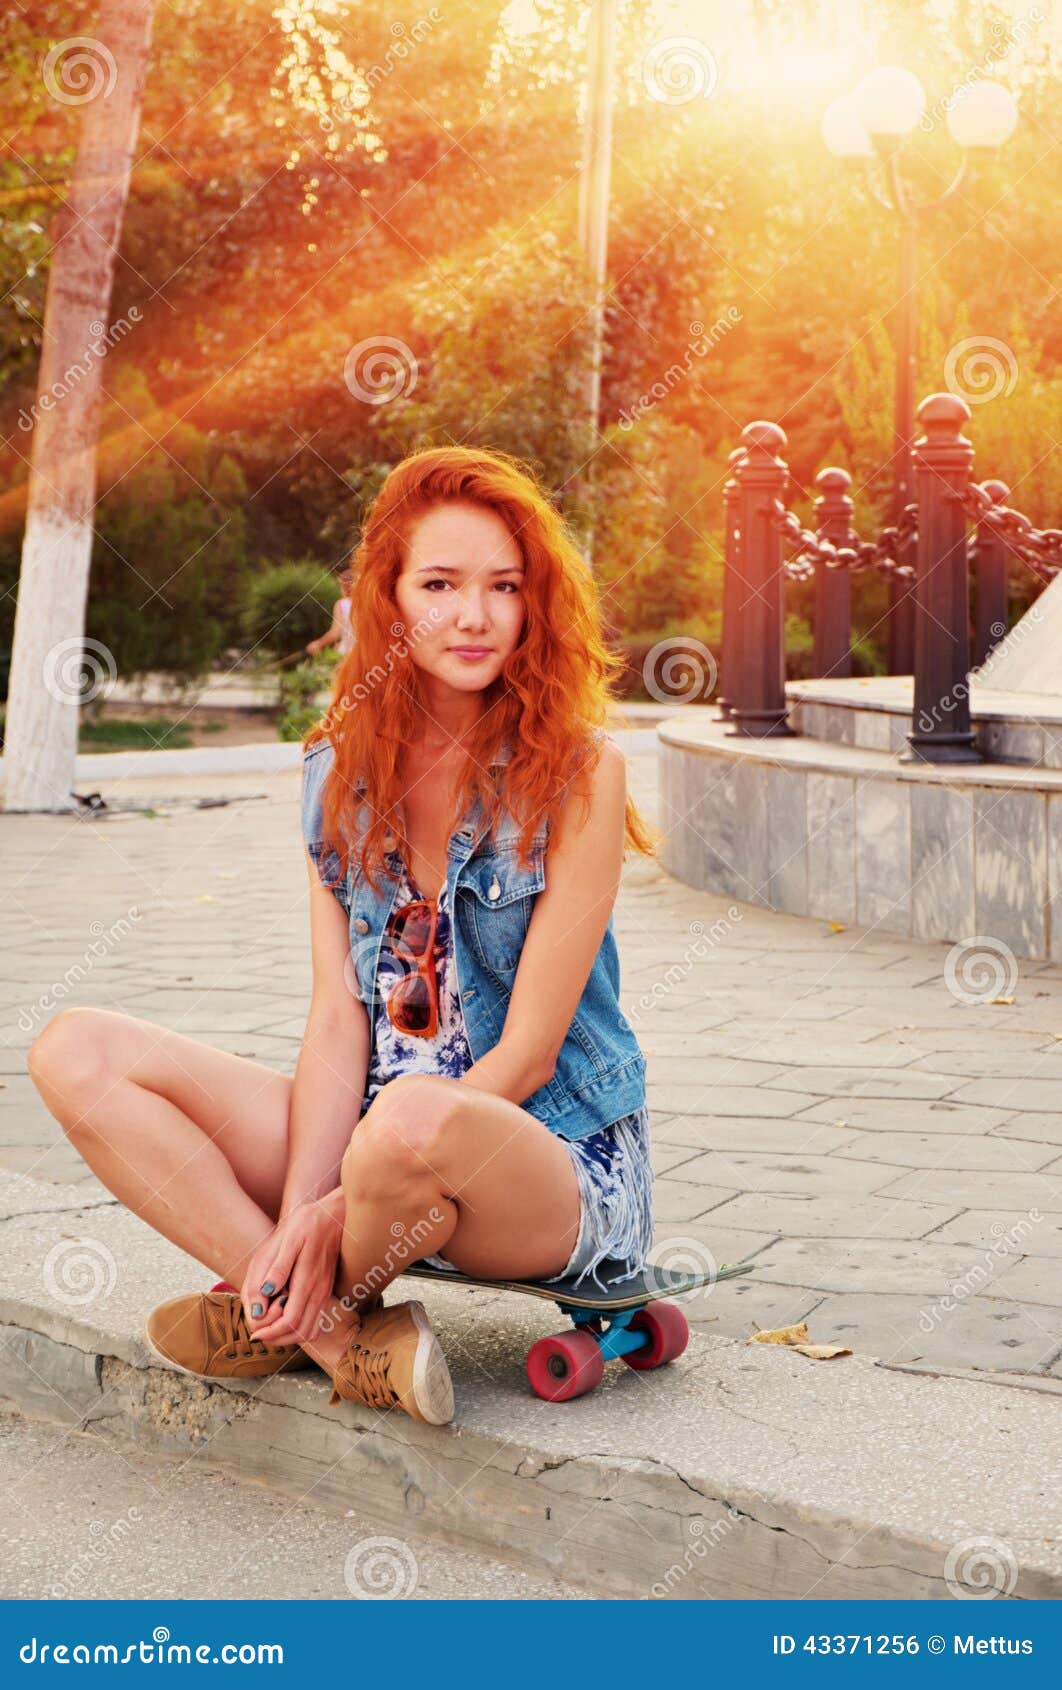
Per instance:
x=821, y=1352
x=837, y=927
x=205, y=898
x=1001, y=1000
x=782, y=1335
x=796, y=1338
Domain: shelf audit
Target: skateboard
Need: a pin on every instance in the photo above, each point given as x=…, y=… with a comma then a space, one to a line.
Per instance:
x=631, y=1320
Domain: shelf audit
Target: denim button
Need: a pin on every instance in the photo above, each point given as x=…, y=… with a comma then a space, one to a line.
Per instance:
x=494, y=890
x=361, y=925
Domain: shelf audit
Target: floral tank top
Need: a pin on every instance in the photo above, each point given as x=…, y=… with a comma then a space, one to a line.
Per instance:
x=397, y=1053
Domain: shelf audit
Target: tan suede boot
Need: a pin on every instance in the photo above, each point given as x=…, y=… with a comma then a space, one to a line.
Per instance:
x=394, y=1360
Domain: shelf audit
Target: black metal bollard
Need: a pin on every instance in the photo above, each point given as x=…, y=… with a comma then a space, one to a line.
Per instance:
x=940, y=723
x=902, y=616
x=833, y=587
x=758, y=702
x=990, y=579
x=731, y=631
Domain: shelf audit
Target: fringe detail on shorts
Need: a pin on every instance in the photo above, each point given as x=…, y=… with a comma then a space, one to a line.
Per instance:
x=617, y=1201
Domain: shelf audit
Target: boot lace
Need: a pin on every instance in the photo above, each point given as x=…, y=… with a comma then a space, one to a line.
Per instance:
x=236, y=1333
x=367, y=1374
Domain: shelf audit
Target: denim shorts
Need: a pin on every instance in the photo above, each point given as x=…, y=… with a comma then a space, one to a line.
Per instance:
x=616, y=1200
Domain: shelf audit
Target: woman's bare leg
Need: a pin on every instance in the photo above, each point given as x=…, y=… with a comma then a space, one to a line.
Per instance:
x=440, y=1166
x=193, y=1140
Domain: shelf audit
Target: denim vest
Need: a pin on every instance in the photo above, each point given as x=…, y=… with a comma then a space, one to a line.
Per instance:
x=600, y=1071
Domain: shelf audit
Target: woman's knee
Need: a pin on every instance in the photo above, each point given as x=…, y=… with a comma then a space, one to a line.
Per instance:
x=75, y=1055
x=402, y=1143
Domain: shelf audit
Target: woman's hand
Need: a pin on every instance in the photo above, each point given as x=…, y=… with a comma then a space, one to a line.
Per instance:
x=299, y=1260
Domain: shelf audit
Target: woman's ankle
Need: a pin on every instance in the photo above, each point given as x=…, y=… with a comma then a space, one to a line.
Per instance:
x=332, y=1336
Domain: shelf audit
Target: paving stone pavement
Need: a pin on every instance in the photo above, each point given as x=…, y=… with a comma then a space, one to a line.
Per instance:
x=889, y=1154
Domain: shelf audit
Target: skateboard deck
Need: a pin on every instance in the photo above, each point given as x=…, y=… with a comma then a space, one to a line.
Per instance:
x=631, y=1320
x=649, y=1286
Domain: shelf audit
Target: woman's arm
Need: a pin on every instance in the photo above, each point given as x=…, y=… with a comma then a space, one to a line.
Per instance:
x=333, y=1062
x=584, y=862
x=334, y=634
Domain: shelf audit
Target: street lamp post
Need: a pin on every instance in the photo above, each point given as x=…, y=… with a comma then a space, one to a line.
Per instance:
x=867, y=127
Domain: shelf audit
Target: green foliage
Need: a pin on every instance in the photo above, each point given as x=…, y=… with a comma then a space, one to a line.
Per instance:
x=657, y=553
x=154, y=733
x=168, y=562
x=503, y=358
x=288, y=605
x=298, y=689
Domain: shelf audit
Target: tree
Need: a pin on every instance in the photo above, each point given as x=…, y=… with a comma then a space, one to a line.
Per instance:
x=106, y=74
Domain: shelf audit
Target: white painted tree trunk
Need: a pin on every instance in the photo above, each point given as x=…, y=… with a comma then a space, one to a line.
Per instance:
x=105, y=74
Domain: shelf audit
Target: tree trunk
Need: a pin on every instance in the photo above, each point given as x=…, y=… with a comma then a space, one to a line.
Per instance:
x=106, y=75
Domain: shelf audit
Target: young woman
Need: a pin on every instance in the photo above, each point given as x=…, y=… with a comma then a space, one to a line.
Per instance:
x=467, y=1089
x=339, y=632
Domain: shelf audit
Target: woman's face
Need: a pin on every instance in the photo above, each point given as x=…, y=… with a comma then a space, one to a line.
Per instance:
x=463, y=577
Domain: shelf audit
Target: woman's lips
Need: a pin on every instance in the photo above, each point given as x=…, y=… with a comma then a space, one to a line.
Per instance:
x=470, y=652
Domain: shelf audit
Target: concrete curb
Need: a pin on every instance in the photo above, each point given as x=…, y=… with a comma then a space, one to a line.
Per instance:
x=265, y=758
x=739, y=1471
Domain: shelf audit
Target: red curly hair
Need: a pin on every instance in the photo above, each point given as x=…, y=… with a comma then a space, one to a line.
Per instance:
x=553, y=693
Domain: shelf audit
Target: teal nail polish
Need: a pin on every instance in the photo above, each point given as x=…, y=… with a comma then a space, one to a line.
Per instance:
x=268, y=1288
x=256, y=1309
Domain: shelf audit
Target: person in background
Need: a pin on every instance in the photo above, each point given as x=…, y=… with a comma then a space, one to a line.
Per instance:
x=340, y=633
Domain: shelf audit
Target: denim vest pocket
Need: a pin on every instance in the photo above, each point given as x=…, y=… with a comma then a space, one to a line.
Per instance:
x=500, y=908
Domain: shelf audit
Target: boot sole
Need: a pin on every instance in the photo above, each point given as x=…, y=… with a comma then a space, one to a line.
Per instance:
x=433, y=1389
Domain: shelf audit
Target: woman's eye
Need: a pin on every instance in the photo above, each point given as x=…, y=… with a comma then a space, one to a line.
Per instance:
x=507, y=586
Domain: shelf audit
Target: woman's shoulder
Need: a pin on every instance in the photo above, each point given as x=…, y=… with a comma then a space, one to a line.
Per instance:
x=318, y=748
x=317, y=759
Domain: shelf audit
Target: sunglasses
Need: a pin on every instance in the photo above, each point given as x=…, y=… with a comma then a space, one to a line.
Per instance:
x=413, y=1001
